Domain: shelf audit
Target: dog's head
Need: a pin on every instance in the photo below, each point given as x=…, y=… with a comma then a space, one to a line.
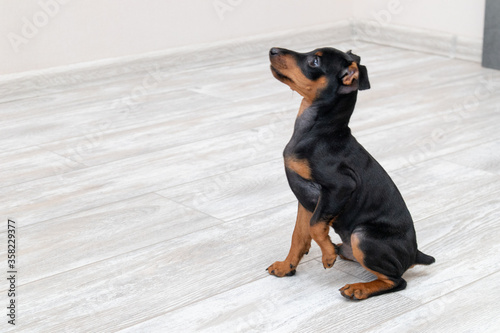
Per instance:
x=322, y=73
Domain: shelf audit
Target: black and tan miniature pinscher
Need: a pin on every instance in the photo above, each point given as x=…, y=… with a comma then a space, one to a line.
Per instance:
x=336, y=181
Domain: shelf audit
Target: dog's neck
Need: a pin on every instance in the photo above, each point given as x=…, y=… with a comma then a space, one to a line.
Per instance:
x=333, y=113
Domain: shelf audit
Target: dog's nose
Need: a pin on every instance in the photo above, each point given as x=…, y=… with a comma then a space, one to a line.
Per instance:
x=274, y=51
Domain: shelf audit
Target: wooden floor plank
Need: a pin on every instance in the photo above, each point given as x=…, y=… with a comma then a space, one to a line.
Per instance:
x=485, y=157
x=419, y=141
x=27, y=164
x=73, y=241
x=433, y=186
x=462, y=310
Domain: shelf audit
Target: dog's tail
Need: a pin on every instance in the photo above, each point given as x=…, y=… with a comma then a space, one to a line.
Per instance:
x=423, y=259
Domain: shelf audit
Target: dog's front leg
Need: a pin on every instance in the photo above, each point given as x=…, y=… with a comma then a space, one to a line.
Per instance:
x=319, y=232
x=301, y=242
x=324, y=215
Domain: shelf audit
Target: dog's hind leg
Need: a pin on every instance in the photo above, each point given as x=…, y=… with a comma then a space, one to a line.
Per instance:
x=385, y=267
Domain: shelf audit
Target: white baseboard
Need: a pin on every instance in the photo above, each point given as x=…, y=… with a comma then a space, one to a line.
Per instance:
x=42, y=82
x=445, y=44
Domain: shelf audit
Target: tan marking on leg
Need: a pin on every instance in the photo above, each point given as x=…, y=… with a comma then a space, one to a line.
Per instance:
x=364, y=290
x=301, y=243
x=299, y=166
x=319, y=232
x=332, y=221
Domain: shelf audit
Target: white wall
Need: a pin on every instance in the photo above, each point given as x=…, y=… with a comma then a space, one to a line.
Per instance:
x=464, y=18
x=39, y=34
x=85, y=30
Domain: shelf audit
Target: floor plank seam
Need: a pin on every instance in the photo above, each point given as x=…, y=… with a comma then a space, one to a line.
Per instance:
x=83, y=165
x=275, y=160
x=189, y=207
x=101, y=206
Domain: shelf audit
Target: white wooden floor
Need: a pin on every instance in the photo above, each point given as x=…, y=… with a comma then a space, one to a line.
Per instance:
x=155, y=203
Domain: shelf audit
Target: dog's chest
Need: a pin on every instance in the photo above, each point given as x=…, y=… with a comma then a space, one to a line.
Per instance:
x=302, y=141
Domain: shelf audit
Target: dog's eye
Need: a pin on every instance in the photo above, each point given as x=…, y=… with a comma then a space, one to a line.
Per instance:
x=314, y=62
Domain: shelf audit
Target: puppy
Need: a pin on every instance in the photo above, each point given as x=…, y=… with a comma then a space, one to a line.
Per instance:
x=336, y=181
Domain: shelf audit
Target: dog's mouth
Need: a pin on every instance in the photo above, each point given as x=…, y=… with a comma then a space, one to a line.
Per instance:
x=280, y=76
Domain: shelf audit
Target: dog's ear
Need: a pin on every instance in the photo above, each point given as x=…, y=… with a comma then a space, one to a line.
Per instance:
x=364, y=83
x=354, y=77
x=354, y=57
